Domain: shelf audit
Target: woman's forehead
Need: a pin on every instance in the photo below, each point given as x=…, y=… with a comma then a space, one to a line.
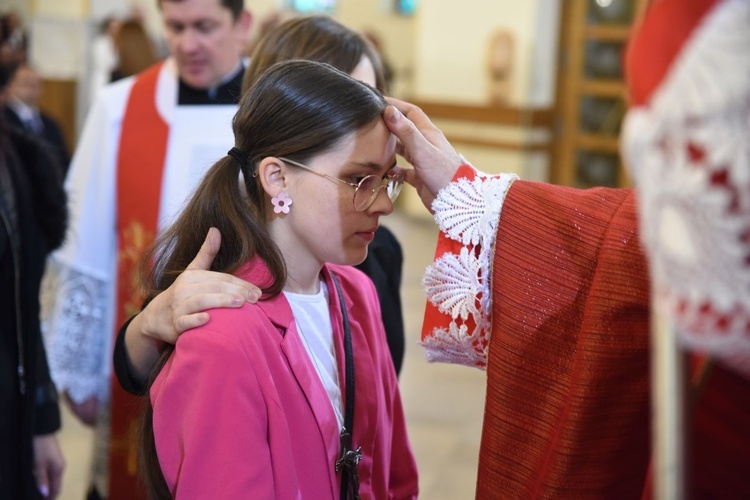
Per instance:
x=371, y=146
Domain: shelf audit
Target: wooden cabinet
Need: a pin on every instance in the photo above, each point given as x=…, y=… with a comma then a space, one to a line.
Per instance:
x=590, y=101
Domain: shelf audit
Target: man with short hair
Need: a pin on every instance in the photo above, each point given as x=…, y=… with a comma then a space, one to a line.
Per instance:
x=147, y=141
x=22, y=110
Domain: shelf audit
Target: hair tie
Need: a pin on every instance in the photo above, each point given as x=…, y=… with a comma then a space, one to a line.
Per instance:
x=239, y=156
x=244, y=162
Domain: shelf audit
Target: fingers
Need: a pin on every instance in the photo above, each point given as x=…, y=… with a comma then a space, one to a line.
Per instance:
x=190, y=321
x=194, y=282
x=182, y=306
x=42, y=480
x=48, y=465
x=202, y=264
x=208, y=251
x=410, y=177
x=424, y=146
x=55, y=479
x=412, y=112
x=406, y=131
x=194, y=309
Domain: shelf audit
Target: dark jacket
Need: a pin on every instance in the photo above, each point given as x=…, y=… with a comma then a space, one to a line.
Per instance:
x=51, y=132
x=33, y=219
x=384, y=264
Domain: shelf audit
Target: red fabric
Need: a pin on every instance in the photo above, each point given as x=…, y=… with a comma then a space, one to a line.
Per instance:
x=567, y=410
x=719, y=438
x=568, y=390
x=140, y=163
x=433, y=318
x=657, y=41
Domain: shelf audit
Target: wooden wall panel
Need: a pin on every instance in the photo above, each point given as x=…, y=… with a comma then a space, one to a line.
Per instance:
x=59, y=101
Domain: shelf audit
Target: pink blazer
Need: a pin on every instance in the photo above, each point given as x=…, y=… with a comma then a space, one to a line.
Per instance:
x=239, y=411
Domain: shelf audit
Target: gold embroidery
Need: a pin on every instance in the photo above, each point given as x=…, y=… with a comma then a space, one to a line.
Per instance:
x=135, y=241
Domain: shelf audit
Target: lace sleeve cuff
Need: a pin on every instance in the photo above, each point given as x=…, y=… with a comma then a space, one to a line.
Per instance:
x=457, y=285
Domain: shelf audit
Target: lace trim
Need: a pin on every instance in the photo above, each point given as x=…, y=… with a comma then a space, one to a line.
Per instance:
x=690, y=156
x=466, y=211
x=74, y=330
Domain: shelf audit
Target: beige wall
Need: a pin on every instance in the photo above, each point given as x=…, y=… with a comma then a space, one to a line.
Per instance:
x=452, y=40
x=73, y=9
x=439, y=53
x=23, y=7
x=395, y=31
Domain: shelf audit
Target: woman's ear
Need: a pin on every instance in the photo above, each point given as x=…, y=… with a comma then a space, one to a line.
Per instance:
x=272, y=173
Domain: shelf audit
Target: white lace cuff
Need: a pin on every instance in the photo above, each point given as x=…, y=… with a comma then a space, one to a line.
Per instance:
x=75, y=333
x=467, y=211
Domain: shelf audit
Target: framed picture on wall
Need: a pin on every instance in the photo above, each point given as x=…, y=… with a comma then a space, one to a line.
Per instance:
x=311, y=6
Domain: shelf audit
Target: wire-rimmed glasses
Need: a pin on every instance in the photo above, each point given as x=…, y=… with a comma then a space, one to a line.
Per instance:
x=367, y=189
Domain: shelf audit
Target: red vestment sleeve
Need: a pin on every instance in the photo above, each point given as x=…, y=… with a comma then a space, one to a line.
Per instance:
x=567, y=410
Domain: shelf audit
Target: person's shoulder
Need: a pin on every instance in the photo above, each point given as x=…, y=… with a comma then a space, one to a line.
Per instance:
x=113, y=97
x=236, y=319
x=11, y=116
x=232, y=327
x=43, y=174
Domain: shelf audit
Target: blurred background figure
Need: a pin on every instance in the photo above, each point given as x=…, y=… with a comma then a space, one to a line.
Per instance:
x=103, y=55
x=15, y=38
x=141, y=149
x=134, y=49
x=32, y=223
x=500, y=66
x=269, y=21
x=388, y=71
x=21, y=109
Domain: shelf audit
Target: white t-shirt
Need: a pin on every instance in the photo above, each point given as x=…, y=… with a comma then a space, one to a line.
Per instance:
x=316, y=332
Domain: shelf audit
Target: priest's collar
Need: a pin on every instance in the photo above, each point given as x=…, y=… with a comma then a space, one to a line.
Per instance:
x=228, y=91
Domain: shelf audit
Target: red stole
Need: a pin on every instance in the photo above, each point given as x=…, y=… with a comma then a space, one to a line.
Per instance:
x=140, y=164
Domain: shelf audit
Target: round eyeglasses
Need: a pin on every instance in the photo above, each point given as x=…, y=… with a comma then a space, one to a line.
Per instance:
x=367, y=189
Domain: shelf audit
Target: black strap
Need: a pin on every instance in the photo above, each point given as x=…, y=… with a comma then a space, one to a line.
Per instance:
x=348, y=459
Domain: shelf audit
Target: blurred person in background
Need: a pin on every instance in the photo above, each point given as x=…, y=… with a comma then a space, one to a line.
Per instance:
x=146, y=142
x=21, y=109
x=15, y=46
x=32, y=223
x=135, y=50
x=103, y=55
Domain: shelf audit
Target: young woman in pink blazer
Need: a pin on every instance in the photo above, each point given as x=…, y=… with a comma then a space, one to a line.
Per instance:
x=284, y=398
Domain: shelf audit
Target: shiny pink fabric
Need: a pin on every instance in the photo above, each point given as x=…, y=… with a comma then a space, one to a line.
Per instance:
x=239, y=411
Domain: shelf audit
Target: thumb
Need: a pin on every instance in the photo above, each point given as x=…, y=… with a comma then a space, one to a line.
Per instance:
x=208, y=251
x=405, y=130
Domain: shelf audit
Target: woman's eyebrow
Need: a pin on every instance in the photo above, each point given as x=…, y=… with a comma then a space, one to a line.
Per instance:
x=371, y=164
x=366, y=164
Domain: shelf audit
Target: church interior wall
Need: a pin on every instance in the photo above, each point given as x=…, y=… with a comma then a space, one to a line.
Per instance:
x=439, y=53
